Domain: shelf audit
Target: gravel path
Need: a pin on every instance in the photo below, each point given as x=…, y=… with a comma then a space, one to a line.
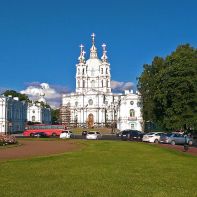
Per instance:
x=191, y=150
x=29, y=149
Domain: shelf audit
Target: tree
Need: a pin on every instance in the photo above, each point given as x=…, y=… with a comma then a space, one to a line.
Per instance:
x=55, y=116
x=13, y=93
x=169, y=89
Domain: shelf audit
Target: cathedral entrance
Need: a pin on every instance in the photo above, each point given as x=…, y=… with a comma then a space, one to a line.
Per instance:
x=90, y=121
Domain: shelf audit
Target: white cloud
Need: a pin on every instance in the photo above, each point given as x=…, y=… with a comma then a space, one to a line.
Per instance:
x=52, y=92
x=121, y=86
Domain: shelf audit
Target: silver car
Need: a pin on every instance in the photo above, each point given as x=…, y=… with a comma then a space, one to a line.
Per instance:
x=175, y=138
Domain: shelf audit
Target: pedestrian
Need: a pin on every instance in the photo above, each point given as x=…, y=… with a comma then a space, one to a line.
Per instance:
x=186, y=145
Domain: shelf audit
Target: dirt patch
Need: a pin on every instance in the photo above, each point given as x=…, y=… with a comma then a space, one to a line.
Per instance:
x=28, y=149
x=191, y=150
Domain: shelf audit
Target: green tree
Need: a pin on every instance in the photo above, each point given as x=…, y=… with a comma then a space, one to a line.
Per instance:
x=169, y=89
x=13, y=93
x=55, y=116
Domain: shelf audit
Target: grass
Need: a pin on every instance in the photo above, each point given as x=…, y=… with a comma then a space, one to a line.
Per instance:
x=103, y=168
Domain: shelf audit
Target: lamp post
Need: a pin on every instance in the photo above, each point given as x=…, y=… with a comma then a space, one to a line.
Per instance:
x=83, y=112
x=4, y=113
x=98, y=110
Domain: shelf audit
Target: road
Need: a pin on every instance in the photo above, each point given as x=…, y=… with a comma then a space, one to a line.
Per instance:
x=78, y=136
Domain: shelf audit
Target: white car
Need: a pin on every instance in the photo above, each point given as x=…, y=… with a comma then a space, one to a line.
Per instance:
x=66, y=134
x=93, y=135
x=153, y=137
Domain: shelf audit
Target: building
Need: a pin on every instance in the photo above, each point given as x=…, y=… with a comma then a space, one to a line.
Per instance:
x=13, y=114
x=38, y=112
x=93, y=104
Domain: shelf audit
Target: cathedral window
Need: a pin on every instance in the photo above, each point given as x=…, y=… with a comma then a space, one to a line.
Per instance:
x=83, y=71
x=131, y=102
x=90, y=102
x=106, y=70
x=139, y=104
x=83, y=83
x=33, y=118
x=132, y=113
x=102, y=83
x=101, y=70
x=78, y=83
x=132, y=126
x=78, y=71
x=107, y=83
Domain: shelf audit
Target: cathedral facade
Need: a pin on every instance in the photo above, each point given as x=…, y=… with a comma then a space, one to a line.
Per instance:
x=93, y=104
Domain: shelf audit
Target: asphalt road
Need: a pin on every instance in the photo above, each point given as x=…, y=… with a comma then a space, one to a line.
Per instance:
x=104, y=137
x=78, y=136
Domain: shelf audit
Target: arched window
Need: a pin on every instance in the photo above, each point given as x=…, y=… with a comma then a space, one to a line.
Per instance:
x=101, y=70
x=107, y=84
x=33, y=118
x=78, y=71
x=106, y=70
x=83, y=83
x=132, y=113
x=78, y=84
x=83, y=71
x=102, y=83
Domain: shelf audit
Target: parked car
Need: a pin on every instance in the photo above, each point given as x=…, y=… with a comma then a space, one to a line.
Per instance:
x=153, y=137
x=175, y=138
x=40, y=134
x=66, y=134
x=93, y=135
x=132, y=135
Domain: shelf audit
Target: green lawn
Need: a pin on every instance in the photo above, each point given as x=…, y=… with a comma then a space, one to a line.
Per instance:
x=104, y=169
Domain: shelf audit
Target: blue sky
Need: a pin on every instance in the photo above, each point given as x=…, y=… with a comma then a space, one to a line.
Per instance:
x=39, y=39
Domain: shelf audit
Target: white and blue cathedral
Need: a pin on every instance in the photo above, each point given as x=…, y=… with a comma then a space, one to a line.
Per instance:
x=93, y=100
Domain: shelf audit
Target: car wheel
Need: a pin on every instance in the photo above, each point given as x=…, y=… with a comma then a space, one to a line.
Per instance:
x=190, y=142
x=173, y=142
x=54, y=134
x=31, y=134
x=156, y=141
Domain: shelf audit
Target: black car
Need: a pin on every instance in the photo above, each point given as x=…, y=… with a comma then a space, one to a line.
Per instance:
x=40, y=134
x=132, y=135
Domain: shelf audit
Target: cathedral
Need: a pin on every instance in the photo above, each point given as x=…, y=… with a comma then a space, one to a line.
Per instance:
x=93, y=104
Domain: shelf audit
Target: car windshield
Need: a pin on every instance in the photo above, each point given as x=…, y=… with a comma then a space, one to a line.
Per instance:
x=91, y=132
x=64, y=131
x=151, y=133
x=168, y=134
x=125, y=132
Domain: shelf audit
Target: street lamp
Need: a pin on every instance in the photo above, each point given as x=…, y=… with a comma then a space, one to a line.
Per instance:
x=4, y=102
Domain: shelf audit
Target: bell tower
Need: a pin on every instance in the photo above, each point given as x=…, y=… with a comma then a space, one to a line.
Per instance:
x=105, y=75
x=81, y=71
